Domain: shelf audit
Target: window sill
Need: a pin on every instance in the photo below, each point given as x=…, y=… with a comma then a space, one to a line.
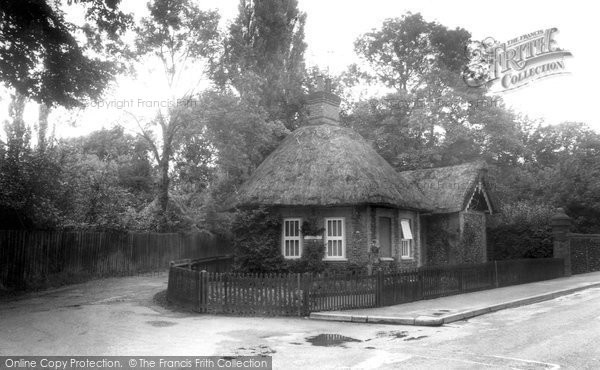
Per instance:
x=292, y=258
x=335, y=259
x=407, y=258
x=386, y=259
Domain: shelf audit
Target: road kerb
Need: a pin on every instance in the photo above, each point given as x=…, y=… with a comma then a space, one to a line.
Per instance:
x=515, y=303
x=330, y=316
x=391, y=320
x=428, y=321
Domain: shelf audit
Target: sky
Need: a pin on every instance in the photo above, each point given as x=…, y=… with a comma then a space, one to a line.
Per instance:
x=333, y=25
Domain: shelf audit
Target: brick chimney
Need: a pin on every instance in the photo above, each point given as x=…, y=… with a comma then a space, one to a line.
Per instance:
x=323, y=105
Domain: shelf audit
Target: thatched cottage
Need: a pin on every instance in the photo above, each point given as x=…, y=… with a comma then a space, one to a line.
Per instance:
x=330, y=175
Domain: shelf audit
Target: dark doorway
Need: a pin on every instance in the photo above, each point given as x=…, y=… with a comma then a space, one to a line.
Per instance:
x=384, y=235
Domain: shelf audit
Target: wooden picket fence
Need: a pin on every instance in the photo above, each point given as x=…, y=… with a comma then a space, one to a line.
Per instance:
x=300, y=294
x=28, y=258
x=339, y=292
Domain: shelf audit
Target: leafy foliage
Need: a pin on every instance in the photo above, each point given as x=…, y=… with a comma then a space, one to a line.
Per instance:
x=521, y=230
x=42, y=59
x=311, y=260
x=241, y=134
x=406, y=49
x=431, y=118
x=309, y=227
x=177, y=31
x=263, y=57
x=256, y=239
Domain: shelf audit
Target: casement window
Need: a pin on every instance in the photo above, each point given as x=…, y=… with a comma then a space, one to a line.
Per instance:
x=335, y=242
x=406, y=242
x=292, y=238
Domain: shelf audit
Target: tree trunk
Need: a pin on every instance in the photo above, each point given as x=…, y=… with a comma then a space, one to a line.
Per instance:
x=163, y=195
x=44, y=111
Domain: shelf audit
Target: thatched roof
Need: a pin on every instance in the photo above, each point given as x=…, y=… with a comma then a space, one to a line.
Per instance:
x=449, y=189
x=326, y=165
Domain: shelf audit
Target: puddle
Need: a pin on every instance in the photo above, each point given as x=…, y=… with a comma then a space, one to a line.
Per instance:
x=440, y=312
x=395, y=334
x=330, y=340
x=161, y=324
x=369, y=347
x=416, y=338
x=260, y=350
x=119, y=299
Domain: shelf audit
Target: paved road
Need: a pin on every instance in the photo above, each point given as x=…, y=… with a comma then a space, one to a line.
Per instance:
x=119, y=317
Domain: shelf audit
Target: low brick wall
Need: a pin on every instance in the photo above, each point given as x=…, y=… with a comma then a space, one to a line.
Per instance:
x=585, y=252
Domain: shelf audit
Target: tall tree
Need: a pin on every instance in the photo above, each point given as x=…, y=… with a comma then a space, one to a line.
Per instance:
x=178, y=33
x=29, y=178
x=431, y=118
x=263, y=57
x=107, y=179
x=406, y=49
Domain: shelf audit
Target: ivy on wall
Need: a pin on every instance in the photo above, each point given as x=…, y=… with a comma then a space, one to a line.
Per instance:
x=473, y=242
x=257, y=241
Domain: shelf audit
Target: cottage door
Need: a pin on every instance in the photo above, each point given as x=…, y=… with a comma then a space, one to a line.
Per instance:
x=384, y=235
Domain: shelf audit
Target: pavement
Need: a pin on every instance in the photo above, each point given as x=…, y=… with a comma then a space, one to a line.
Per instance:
x=440, y=311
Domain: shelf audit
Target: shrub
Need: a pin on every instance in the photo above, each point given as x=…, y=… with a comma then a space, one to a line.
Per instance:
x=309, y=227
x=311, y=260
x=522, y=230
x=256, y=239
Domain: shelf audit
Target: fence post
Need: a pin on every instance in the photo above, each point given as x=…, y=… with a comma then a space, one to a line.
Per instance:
x=196, y=295
x=379, y=281
x=496, y=282
x=561, y=224
x=587, y=258
x=225, y=307
x=170, y=283
x=420, y=284
x=306, y=285
x=299, y=288
x=203, y=294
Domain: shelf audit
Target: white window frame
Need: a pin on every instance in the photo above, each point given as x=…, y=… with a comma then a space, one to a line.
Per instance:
x=286, y=238
x=406, y=244
x=341, y=238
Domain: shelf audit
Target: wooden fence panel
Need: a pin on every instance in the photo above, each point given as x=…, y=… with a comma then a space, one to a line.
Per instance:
x=400, y=287
x=253, y=294
x=342, y=292
x=29, y=258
